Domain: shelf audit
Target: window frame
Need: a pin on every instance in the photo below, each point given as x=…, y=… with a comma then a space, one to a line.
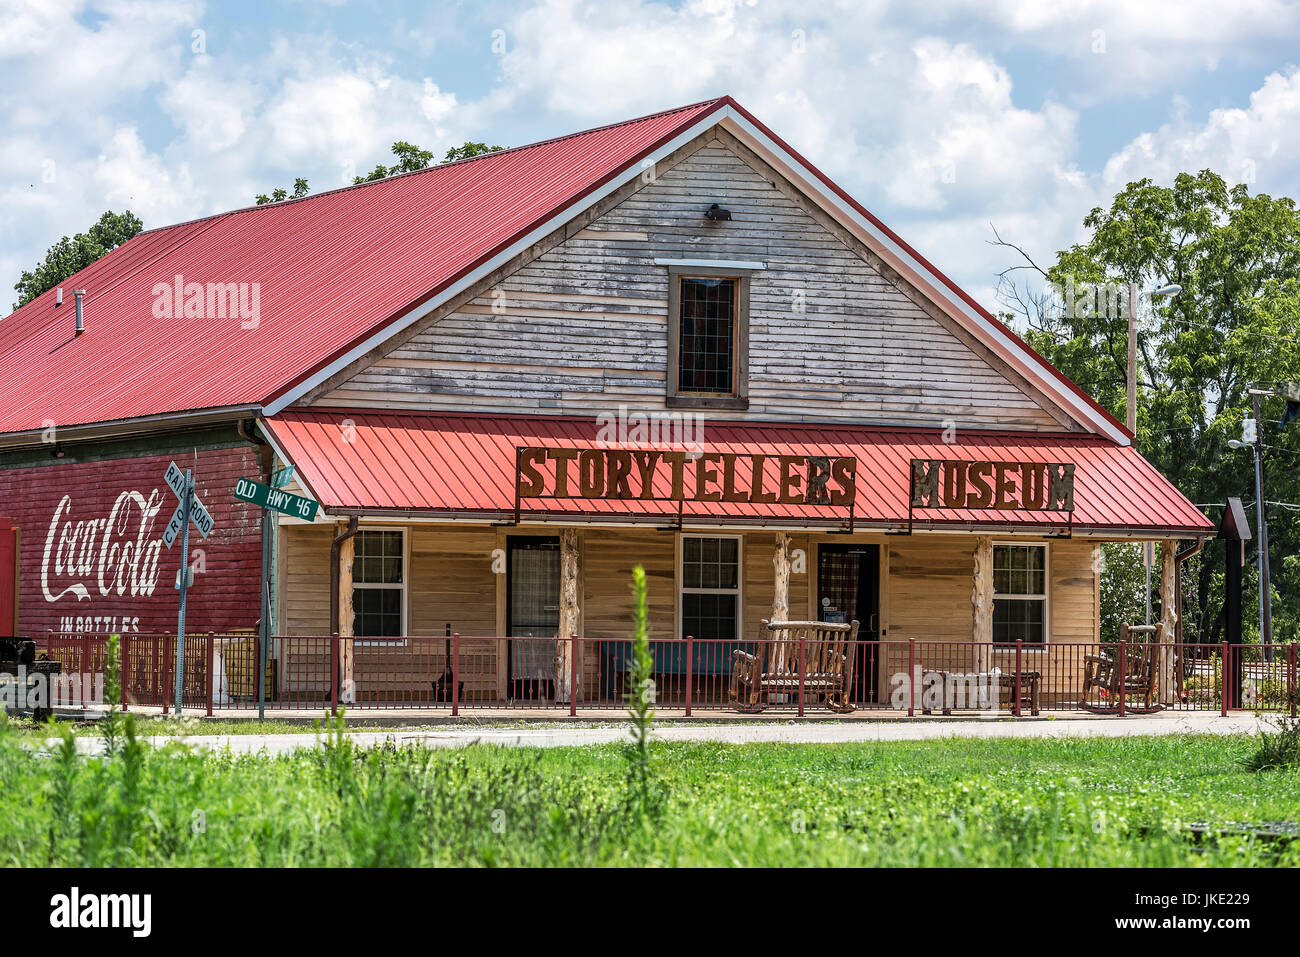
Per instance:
x=1045, y=597
x=738, y=397
x=390, y=641
x=738, y=591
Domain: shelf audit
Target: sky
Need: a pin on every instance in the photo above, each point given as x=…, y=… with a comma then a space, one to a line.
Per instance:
x=946, y=119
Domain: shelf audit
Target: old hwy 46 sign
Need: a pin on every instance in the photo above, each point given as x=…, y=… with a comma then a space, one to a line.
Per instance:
x=249, y=491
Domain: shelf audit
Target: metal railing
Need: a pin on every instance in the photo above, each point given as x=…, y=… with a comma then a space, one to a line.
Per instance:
x=461, y=673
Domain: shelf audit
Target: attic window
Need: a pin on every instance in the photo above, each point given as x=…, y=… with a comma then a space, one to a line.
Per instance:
x=708, y=338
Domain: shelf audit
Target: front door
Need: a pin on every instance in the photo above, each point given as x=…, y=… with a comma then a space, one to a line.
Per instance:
x=532, y=611
x=848, y=588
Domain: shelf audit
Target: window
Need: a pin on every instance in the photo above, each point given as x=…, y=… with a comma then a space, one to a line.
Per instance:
x=710, y=583
x=707, y=345
x=708, y=338
x=379, y=583
x=1020, y=593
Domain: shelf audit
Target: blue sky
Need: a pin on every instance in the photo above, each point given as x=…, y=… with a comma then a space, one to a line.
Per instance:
x=943, y=117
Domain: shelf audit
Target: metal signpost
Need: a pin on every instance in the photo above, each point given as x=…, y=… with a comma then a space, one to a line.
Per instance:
x=271, y=498
x=182, y=486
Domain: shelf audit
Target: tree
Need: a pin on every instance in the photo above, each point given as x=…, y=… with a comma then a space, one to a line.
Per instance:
x=410, y=158
x=1235, y=323
x=299, y=190
x=468, y=149
x=71, y=255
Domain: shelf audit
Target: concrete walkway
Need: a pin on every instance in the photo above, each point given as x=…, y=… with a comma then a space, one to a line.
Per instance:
x=787, y=733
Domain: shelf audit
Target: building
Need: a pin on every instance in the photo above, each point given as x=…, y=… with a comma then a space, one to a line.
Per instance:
x=670, y=342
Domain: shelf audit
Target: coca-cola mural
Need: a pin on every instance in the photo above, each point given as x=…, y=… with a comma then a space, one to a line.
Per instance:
x=92, y=558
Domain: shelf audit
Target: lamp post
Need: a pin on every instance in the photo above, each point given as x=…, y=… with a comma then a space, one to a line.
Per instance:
x=1171, y=289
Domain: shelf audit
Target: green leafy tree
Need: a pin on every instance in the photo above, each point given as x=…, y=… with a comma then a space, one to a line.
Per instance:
x=468, y=149
x=299, y=190
x=70, y=255
x=410, y=158
x=1235, y=323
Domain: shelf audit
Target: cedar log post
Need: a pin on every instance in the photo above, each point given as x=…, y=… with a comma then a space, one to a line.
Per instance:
x=1168, y=688
x=781, y=591
x=981, y=599
x=347, y=621
x=570, y=609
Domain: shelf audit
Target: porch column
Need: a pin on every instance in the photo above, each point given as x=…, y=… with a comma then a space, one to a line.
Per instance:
x=781, y=591
x=347, y=620
x=981, y=599
x=569, y=612
x=1168, y=688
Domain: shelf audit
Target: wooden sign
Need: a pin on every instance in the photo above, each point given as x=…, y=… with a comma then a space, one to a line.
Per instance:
x=624, y=474
x=1004, y=486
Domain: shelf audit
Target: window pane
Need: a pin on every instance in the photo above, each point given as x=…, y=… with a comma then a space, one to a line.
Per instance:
x=1015, y=618
x=716, y=563
x=378, y=557
x=709, y=616
x=706, y=323
x=1019, y=569
x=378, y=612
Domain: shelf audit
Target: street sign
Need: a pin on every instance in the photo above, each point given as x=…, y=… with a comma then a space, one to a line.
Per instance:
x=199, y=515
x=281, y=477
x=273, y=498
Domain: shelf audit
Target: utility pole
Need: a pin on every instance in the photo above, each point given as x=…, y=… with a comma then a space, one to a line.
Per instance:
x=1132, y=358
x=1265, y=594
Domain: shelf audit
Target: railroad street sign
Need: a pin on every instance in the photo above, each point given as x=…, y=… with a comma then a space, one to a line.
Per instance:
x=199, y=515
x=174, y=526
x=276, y=499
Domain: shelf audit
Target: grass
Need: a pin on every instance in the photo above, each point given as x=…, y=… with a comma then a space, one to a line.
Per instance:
x=1072, y=802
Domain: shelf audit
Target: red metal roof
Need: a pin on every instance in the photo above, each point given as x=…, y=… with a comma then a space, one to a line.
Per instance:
x=331, y=268
x=366, y=461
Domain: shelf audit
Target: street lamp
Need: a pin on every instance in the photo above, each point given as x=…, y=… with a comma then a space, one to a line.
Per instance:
x=1160, y=292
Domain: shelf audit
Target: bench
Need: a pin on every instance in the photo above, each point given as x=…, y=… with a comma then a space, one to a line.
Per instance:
x=773, y=667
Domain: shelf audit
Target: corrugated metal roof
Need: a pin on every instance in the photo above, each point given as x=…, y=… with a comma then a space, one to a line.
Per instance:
x=331, y=269
x=373, y=462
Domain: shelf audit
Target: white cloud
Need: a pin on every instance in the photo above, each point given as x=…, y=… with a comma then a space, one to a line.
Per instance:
x=1258, y=145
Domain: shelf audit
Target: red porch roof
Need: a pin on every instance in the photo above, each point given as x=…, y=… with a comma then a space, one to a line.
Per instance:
x=464, y=466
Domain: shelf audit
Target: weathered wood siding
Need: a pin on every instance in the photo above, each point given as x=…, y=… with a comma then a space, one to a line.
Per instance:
x=584, y=327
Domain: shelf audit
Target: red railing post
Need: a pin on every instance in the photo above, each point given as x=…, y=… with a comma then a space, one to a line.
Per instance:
x=1223, y=670
x=334, y=673
x=126, y=667
x=1290, y=677
x=1019, y=650
x=802, y=668
x=87, y=665
x=166, y=670
x=1123, y=675
x=690, y=670
x=455, y=674
x=911, y=677
x=212, y=668
x=573, y=676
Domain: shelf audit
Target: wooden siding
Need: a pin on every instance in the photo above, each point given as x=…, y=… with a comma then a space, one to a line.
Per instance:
x=583, y=328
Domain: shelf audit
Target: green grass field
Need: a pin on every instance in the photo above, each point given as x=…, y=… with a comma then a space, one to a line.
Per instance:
x=959, y=802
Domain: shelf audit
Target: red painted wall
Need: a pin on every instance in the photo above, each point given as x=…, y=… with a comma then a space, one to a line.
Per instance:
x=91, y=554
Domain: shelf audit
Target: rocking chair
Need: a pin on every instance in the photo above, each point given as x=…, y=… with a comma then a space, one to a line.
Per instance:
x=1106, y=683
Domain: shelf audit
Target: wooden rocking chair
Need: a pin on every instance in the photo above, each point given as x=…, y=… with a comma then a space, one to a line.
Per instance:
x=1103, y=685
x=829, y=650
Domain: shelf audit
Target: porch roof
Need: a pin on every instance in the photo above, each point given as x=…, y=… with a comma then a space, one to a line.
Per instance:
x=381, y=463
